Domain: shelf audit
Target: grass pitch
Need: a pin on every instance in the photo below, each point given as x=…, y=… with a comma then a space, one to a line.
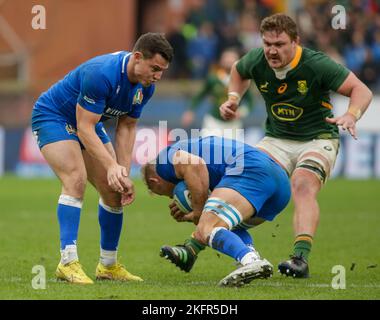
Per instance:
x=348, y=235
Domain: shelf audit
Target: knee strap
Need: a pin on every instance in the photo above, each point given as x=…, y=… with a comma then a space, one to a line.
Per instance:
x=313, y=166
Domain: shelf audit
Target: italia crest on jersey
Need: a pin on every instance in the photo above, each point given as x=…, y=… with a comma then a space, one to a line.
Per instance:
x=138, y=98
x=302, y=87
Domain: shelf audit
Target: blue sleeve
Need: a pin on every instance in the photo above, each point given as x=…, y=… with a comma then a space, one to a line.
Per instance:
x=165, y=167
x=147, y=94
x=94, y=90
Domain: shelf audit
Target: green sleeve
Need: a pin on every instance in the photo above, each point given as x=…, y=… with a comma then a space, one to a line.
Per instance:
x=330, y=73
x=197, y=99
x=247, y=63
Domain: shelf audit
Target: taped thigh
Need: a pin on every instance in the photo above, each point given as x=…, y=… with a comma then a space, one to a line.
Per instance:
x=314, y=165
x=225, y=211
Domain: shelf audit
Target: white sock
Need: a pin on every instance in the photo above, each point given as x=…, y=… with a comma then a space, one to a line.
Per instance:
x=108, y=258
x=69, y=254
x=250, y=257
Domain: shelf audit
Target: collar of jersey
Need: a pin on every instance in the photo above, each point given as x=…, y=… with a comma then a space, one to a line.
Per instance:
x=297, y=57
x=125, y=63
x=281, y=73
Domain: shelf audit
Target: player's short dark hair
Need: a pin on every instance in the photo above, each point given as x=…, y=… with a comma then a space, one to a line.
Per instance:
x=154, y=43
x=279, y=23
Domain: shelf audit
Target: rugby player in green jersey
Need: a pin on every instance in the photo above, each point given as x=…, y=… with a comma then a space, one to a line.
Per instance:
x=301, y=131
x=216, y=88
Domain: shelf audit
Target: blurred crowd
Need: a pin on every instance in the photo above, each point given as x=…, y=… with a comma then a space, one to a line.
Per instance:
x=215, y=25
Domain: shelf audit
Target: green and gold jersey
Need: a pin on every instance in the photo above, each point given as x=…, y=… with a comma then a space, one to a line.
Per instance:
x=216, y=88
x=298, y=104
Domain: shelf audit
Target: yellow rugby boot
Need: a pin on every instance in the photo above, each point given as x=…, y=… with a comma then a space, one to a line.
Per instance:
x=73, y=273
x=115, y=272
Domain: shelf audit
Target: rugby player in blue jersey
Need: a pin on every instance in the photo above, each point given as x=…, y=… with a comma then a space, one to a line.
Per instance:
x=67, y=121
x=247, y=188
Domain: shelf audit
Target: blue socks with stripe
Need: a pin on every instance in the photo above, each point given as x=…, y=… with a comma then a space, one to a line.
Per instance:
x=111, y=222
x=244, y=235
x=228, y=243
x=68, y=213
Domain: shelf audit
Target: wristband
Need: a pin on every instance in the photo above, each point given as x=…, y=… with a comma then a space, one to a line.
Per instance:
x=357, y=113
x=235, y=96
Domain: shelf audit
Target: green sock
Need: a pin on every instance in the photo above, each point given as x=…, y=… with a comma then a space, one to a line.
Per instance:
x=195, y=245
x=302, y=245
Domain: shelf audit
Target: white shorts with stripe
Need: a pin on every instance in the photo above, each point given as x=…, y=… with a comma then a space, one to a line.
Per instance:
x=290, y=153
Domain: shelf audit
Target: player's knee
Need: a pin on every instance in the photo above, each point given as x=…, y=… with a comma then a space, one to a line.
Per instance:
x=75, y=184
x=303, y=186
x=111, y=198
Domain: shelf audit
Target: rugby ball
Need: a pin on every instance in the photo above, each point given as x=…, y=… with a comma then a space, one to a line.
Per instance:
x=182, y=197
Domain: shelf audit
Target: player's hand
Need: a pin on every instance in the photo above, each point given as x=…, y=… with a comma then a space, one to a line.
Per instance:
x=188, y=217
x=117, y=177
x=228, y=110
x=176, y=213
x=128, y=195
x=196, y=217
x=187, y=119
x=346, y=121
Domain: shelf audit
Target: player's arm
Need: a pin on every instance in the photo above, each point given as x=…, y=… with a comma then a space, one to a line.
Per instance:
x=360, y=98
x=125, y=137
x=194, y=171
x=86, y=121
x=236, y=89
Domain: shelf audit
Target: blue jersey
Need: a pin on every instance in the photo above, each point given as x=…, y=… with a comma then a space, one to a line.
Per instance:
x=222, y=156
x=234, y=165
x=100, y=85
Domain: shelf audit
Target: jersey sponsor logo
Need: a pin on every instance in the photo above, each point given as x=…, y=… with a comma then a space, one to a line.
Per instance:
x=302, y=87
x=70, y=129
x=138, y=98
x=264, y=87
x=89, y=100
x=282, y=88
x=286, y=111
x=109, y=112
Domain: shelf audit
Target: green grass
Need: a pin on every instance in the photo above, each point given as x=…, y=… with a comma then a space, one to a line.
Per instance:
x=349, y=232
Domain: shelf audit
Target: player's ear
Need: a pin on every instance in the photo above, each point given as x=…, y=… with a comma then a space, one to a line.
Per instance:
x=153, y=180
x=138, y=56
